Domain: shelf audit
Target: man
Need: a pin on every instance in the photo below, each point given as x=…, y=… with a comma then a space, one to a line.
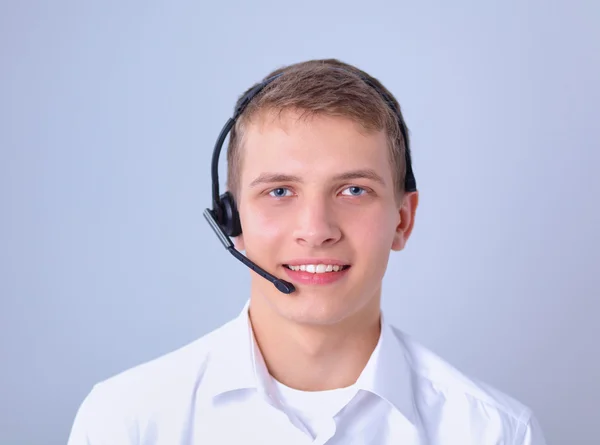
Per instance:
x=319, y=173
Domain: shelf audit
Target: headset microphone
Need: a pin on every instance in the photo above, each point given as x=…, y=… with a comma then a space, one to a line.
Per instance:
x=224, y=217
x=281, y=285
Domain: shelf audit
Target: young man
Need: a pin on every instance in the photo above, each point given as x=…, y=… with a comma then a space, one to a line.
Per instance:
x=320, y=170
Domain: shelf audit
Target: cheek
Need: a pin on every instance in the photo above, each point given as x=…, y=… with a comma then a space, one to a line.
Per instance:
x=261, y=227
x=374, y=230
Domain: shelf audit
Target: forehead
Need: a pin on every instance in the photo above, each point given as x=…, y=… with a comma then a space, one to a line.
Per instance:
x=317, y=146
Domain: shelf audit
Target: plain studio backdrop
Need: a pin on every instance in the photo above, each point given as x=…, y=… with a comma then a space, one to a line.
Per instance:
x=108, y=116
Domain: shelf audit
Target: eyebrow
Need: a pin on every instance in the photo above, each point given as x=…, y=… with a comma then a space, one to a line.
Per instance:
x=269, y=178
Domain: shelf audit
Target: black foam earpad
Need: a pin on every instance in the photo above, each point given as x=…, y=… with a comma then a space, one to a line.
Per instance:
x=229, y=218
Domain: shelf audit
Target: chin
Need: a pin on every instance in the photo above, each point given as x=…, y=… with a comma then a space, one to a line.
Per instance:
x=315, y=318
x=317, y=305
x=315, y=308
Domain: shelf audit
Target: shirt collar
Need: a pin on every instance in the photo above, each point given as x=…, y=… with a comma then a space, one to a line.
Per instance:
x=237, y=364
x=388, y=373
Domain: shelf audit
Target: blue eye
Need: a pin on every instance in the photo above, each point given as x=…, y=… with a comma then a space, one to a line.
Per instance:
x=354, y=191
x=279, y=192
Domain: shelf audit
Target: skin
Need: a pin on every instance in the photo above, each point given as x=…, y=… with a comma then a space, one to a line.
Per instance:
x=319, y=337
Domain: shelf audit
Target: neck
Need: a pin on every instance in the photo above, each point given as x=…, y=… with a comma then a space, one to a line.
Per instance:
x=312, y=357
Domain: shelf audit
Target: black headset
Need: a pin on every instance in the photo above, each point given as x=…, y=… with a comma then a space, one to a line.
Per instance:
x=224, y=217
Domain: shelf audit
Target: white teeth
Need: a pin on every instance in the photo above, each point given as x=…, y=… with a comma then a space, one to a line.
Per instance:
x=317, y=268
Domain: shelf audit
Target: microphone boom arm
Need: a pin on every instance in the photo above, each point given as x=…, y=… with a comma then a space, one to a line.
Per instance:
x=281, y=285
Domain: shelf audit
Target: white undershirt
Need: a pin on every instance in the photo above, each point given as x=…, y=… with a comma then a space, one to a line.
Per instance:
x=315, y=409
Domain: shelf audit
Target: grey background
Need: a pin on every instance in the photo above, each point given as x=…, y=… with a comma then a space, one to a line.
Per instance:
x=108, y=115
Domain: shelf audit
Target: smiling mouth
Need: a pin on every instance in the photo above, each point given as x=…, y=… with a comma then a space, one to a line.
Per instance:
x=317, y=268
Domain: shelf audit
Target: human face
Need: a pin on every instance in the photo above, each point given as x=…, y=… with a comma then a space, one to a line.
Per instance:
x=319, y=191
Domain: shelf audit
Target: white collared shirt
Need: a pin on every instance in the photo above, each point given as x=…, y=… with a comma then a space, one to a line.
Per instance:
x=217, y=390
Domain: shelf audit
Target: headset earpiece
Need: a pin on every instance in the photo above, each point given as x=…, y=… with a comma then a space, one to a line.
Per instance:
x=229, y=218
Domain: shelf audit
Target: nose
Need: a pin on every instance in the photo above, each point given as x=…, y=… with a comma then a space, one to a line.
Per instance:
x=316, y=223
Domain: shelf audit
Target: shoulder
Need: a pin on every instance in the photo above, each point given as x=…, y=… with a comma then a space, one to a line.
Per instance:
x=132, y=401
x=459, y=390
x=166, y=375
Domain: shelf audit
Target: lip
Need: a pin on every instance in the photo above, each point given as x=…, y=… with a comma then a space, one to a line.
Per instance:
x=315, y=279
x=300, y=261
